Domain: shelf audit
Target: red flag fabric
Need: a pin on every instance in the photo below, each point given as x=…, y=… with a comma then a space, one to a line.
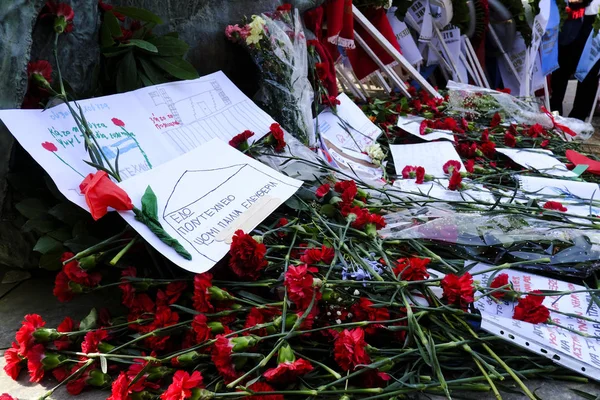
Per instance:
x=340, y=23
x=579, y=159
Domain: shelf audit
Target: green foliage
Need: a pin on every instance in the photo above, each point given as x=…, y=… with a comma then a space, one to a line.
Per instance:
x=516, y=9
x=134, y=57
x=460, y=17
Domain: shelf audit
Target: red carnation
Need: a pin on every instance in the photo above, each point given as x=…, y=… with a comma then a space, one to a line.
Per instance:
x=349, y=349
x=284, y=7
x=182, y=385
x=6, y=396
x=458, y=290
x=496, y=119
x=322, y=71
x=66, y=326
x=455, y=181
x=261, y=387
x=288, y=371
x=63, y=16
x=412, y=269
x=77, y=274
x=240, y=141
x=14, y=362
x=299, y=283
x=315, y=255
x=485, y=136
x=92, y=341
x=40, y=71
x=201, y=298
x=200, y=328
x=530, y=309
x=322, y=190
x=247, y=256
x=35, y=355
x=535, y=130
x=121, y=388
x=489, y=149
x=348, y=190
x=62, y=288
x=545, y=143
x=163, y=317
x=509, y=140
x=420, y=175
x=451, y=166
x=101, y=193
x=258, y=316
x=555, y=205
x=470, y=167
x=499, y=281
x=364, y=311
x=24, y=335
x=221, y=357
x=409, y=171
x=276, y=139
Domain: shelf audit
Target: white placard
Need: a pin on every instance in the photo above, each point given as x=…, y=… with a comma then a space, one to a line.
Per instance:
x=439, y=190
x=204, y=196
x=350, y=129
x=432, y=156
x=412, y=124
x=539, y=159
x=161, y=123
x=409, y=48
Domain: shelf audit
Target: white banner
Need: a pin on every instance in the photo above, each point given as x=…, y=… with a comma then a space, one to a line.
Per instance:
x=421, y=14
x=517, y=59
x=409, y=48
x=538, y=29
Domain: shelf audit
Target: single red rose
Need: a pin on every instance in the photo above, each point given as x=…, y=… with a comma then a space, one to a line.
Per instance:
x=118, y=122
x=349, y=349
x=322, y=190
x=509, y=140
x=409, y=172
x=412, y=269
x=489, y=149
x=364, y=311
x=92, y=340
x=458, y=290
x=101, y=193
x=240, y=141
x=262, y=387
x=39, y=70
x=277, y=138
x=496, y=119
x=455, y=181
x=62, y=288
x=201, y=298
x=50, y=147
x=500, y=281
x=35, y=355
x=288, y=371
x=420, y=175
x=24, y=336
x=299, y=283
x=450, y=166
x=66, y=326
x=315, y=255
x=530, y=309
x=182, y=385
x=555, y=206
x=14, y=362
x=247, y=256
x=221, y=357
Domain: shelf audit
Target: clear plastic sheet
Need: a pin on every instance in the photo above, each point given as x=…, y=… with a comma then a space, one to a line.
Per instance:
x=499, y=238
x=288, y=100
x=469, y=99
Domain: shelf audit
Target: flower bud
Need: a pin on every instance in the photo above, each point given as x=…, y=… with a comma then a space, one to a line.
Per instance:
x=97, y=378
x=104, y=347
x=40, y=81
x=371, y=230
x=244, y=342
x=60, y=24
x=51, y=361
x=75, y=287
x=218, y=294
x=188, y=358
x=216, y=327
x=157, y=373
x=290, y=320
x=202, y=394
x=44, y=335
x=362, y=193
x=89, y=262
x=286, y=354
x=258, y=238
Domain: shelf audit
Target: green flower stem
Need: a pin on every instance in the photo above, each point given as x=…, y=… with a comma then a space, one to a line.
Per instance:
x=260, y=365
x=68, y=165
x=325, y=367
x=83, y=332
x=149, y=334
x=132, y=136
x=74, y=374
x=121, y=253
x=97, y=247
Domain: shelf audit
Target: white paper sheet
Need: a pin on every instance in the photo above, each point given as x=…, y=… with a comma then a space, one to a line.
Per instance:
x=412, y=124
x=350, y=129
x=204, y=196
x=567, y=348
x=573, y=190
x=432, y=156
x=540, y=160
x=164, y=121
x=439, y=190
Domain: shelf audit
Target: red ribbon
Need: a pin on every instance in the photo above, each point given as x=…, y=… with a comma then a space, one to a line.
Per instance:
x=558, y=126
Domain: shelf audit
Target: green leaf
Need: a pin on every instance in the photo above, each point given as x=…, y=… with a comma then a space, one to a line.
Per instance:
x=127, y=74
x=106, y=38
x=150, y=204
x=112, y=23
x=111, y=52
x=47, y=244
x=41, y=225
x=62, y=234
x=177, y=67
x=139, y=14
x=90, y=321
x=32, y=208
x=80, y=243
x=51, y=261
x=67, y=213
x=154, y=74
x=185, y=309
x=170, y=46
x=144, y=80
x=142, y=44
x=172, y=34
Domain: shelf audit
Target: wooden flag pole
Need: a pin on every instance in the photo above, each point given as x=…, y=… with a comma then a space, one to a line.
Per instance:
x=369, y=27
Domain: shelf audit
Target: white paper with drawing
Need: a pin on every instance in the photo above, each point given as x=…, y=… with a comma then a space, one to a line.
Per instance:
x=432, y=156
x=160, y=123
x=574, y=351
x=204, y=196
